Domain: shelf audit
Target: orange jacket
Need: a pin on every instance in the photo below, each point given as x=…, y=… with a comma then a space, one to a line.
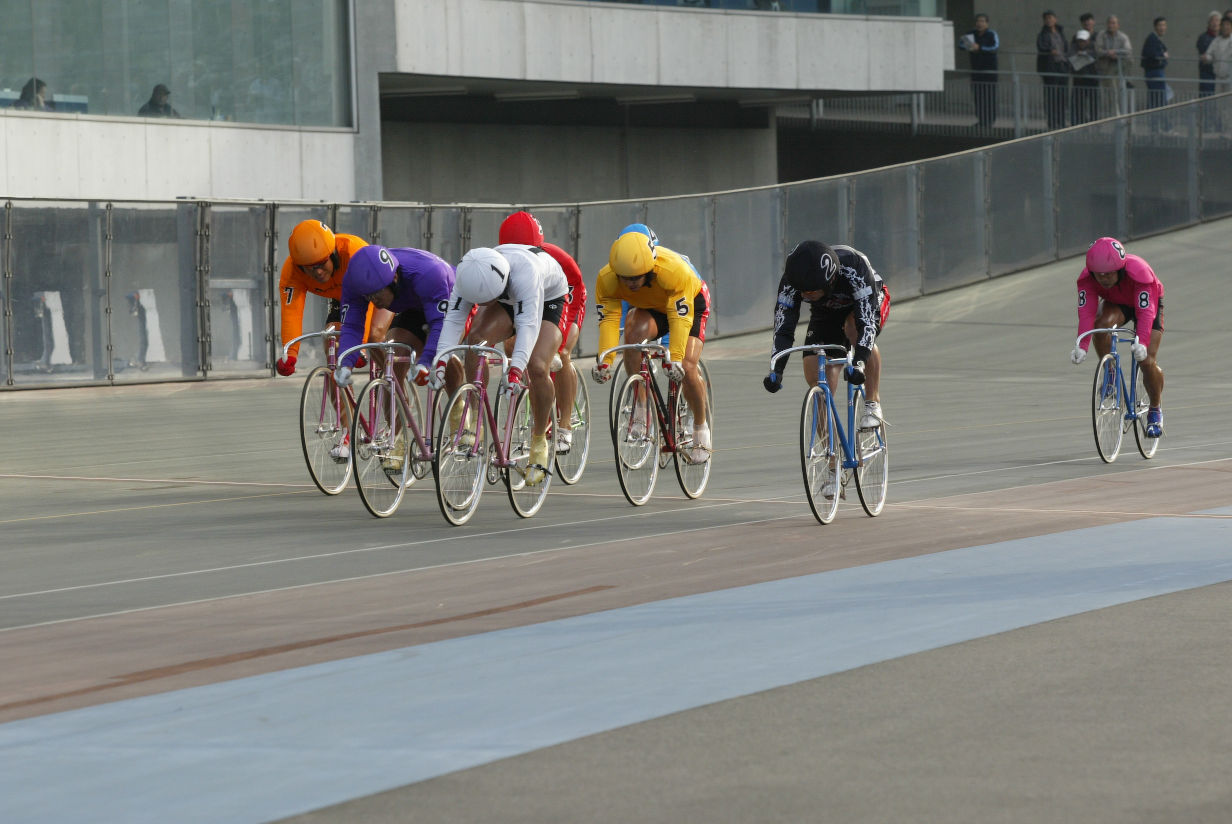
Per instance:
x=294, y=285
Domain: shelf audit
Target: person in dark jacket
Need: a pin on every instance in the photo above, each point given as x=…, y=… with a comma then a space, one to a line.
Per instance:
x=1052, y=63
x=159, y=104
x=34, y=97
x=1206, y=69
x=1154, y=61
x=1084, y=103
x=982, y=44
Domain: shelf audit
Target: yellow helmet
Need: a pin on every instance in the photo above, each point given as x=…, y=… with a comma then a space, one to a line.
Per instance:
x=632, y=254
x=311, y=242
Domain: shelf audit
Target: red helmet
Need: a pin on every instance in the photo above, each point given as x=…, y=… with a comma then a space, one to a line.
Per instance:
x=1106, y=255
x=521, y=227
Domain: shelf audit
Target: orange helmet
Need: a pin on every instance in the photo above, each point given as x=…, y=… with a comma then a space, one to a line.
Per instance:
x=521, y=227
x=311, y=242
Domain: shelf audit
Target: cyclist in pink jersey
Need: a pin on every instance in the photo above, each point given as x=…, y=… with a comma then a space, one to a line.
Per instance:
x=1113, y=289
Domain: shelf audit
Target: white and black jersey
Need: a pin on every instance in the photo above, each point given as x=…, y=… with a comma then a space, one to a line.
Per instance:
x=534, y=279
x=857, y=288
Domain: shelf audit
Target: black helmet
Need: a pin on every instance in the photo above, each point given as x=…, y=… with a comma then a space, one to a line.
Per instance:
x=811, y=267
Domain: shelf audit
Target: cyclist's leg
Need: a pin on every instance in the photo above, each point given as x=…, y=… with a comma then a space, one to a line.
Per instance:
x=1152, y=373
x=1110, y=314
x=566, y=380
x=492, y=324
x=694, y=387
x=539, y=369
x=640, y=325
x=872, y=367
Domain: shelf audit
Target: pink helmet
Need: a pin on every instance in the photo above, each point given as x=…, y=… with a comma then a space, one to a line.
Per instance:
x=1106, y=255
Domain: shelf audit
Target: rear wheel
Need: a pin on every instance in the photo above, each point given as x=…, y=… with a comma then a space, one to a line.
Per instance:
x=380, y=448
x=528, y=483
x=322, y=430
x=461, y=456
x=692, y=462
x=872, y=471
x=616, y=382
x=571, y=462
x=819, y=458
x=1107, y=413
x=636, y=440
x=1142, y=403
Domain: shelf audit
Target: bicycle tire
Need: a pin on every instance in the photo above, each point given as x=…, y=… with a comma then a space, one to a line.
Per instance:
x=1107, y=415
x=819, y=460
x=571, y=463
x=1146, y=446
x=461, y=456
x=692, y=475
x=380, y=450
x=873, y=468
x=636, y=441
x=525, y=497
x=321, y=428
x=616, y=382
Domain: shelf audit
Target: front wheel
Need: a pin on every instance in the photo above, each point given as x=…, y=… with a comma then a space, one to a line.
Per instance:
x=323, y=432
x=635, y=437
x=1142, y=404
x=381, y=448
x=571, y=461
x=1107, y=414
x=692, y=461
x=461, y=455
x=872, y=469
x=526, y=482
x=819, y=455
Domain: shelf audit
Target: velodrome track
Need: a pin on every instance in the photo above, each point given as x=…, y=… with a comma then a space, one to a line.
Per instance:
x=1025, y=634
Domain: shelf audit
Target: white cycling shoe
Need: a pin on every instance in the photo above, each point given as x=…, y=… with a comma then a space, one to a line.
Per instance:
x=536, y=464
x=702, y=447
x=341, y=452
x=564, y=440
x=871, y=419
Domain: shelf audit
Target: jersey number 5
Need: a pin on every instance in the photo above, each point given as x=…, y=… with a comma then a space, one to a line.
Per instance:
x=682, y=308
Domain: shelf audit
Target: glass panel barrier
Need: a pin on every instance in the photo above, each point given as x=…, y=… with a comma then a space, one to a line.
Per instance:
x=1160, y=155
x=1090, y=184
x=1020, y=211
x=237, y=291
x=887, y=226
x=952, y=222
x=746, y=228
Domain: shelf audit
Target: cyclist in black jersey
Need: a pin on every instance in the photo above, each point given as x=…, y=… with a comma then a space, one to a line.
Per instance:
x=848, y=306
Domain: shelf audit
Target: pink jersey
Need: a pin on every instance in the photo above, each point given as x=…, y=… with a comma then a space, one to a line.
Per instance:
x=1137, y=288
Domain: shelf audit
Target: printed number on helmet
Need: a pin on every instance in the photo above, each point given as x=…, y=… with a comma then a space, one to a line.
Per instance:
x=388, y=259
x=682, y=308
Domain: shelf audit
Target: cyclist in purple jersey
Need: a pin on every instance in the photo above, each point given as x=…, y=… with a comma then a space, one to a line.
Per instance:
x=410, y=288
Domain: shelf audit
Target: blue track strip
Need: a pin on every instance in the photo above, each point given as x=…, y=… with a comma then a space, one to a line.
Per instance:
x=262, y=748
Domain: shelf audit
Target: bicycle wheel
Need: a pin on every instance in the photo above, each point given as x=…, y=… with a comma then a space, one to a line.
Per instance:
x=571, y=462
x=461, y=455
x=615, y=383
x=527, y=497
x=819, y=458
x=1146, y=446
x=872, y=471
x=321, y=429
x=692, y=465
x=1107, y=414
x=380, y=448
x=636, y=440
x=421, y=464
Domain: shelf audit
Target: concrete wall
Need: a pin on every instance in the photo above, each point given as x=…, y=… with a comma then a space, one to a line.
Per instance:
x=79, y=156
x=448, y=162
x=587, y=42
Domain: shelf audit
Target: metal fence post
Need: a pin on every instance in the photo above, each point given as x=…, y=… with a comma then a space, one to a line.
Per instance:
x=1019, y=125
x=6, y=295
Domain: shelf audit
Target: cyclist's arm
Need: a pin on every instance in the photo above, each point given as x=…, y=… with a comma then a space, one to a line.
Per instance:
x=292, y=294
x=354, y=311
x=454, y=323
x=607, y=309
x=1146, y=307
x=1088, y=307
x=526, y=299
x=432, y=288
x=786, y=316
x=865, y=311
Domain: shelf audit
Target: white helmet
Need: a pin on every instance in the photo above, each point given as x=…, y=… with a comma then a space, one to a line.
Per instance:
x=483, y=275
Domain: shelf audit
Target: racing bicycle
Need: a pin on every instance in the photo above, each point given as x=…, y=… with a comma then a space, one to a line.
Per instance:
x=1117, y=404
x=324, y=416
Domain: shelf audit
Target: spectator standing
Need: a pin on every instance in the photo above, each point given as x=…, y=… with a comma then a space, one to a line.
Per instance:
x=1111, y=47
x=34, y=96
x=1154, y=62
x=159, y=104
x=982, y=44
x=1220, y=52
x=1206, y=72
x=1084, y=106
x=1053, y=65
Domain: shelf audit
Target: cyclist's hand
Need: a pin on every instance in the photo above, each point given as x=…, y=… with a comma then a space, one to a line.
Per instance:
x=855, y=373
x=1077, y=356
x=513, y=381
x=675, y=371
x=342, y=375
x=360, y=361
x=601, y=372
x=1139, y=351
x=285, y=366
x=438, y=374
x=773, y=382
x=421, y=375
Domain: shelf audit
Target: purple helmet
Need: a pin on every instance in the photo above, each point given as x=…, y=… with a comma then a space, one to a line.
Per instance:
x=1106, y=255
x=371, y=269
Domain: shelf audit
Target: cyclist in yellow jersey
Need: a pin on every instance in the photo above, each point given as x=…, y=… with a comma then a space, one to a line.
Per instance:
x=666, y=295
